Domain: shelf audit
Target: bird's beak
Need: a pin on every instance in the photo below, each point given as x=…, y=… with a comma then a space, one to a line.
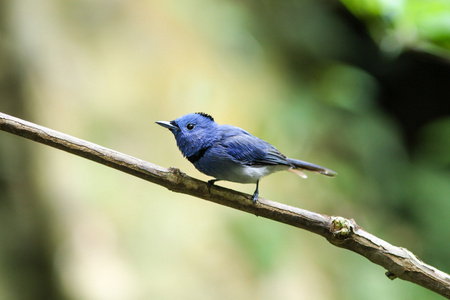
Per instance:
x=170, y=125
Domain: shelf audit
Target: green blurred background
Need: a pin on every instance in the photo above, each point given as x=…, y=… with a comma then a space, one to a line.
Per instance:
x=361, y=87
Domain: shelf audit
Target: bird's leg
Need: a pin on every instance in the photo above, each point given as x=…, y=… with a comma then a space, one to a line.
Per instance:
x=211, y=183
x=256, y=193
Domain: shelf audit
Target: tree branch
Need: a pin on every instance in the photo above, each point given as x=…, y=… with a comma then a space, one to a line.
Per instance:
x=338, y=231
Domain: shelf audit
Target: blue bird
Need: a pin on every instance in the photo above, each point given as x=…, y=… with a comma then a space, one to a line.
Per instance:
x=230, y=153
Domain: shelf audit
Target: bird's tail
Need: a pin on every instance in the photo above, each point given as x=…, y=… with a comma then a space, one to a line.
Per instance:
x=300, y=165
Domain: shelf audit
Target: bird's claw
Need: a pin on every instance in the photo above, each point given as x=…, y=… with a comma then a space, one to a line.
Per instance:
x=255, y=198
x=256, y=193
x=210, y=183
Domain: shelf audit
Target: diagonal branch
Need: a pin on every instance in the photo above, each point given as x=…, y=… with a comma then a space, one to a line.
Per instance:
x=338, y=231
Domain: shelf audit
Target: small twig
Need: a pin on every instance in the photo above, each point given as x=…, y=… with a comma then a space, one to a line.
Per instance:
x=344, y=233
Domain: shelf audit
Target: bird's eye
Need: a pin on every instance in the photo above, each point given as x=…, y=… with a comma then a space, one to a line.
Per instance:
x=190, y=126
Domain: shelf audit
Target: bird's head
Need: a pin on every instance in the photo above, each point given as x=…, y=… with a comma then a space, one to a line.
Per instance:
x=192, y=132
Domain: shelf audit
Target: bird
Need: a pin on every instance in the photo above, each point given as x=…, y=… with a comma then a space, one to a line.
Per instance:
x=227, y=152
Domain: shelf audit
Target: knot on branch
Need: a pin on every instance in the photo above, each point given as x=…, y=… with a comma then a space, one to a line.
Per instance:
x=180, y=181
x=177, y=175
x=390, y=275
x=341, y=227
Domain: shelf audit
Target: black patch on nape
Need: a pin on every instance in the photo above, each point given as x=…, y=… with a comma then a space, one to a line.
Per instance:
x=205, y=115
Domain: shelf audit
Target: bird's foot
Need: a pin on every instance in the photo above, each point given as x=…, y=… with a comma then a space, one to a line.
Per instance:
x=256, y=193
x=255, y=197
x=210, y=183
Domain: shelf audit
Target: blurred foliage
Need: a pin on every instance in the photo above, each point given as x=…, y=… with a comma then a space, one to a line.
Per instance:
x=396, y=25
x=299, y=74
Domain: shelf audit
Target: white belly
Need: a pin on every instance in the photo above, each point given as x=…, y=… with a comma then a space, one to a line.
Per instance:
x=223, y=168
x=250, y=174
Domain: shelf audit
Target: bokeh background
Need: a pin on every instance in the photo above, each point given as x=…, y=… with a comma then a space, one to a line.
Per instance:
x=361, y=87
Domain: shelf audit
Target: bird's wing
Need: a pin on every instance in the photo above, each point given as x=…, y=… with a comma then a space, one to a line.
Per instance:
x=250, y=150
